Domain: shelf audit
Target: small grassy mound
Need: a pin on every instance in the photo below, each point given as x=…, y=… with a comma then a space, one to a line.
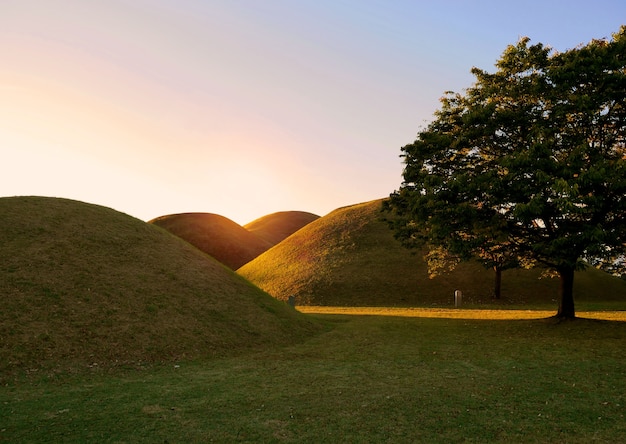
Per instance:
x=276, y=227
x=87, y=285
x=216, y=235
x=350, y=258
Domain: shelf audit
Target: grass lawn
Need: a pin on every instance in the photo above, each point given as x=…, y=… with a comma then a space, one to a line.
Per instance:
x=378, y=377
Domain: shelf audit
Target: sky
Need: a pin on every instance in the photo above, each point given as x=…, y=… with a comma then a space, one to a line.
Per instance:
x=244, y=107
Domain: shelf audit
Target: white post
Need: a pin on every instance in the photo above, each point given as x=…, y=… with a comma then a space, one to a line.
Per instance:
x=458, y=298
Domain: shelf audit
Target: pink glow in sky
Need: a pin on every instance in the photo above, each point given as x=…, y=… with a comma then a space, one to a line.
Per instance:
x=243, y=107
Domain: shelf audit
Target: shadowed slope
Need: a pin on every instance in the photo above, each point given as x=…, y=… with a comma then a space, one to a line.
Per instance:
x=219, y=237
x=83, y=284
x=276, y=227
x=350, y=257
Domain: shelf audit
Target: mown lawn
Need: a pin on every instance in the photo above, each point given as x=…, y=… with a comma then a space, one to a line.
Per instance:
x=370, y=378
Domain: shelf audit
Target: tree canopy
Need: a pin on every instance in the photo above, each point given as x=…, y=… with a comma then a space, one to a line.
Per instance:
x=527, y=165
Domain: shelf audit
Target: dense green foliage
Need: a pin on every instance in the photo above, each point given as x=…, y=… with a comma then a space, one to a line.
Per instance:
x=528, y=165
x=371, y=379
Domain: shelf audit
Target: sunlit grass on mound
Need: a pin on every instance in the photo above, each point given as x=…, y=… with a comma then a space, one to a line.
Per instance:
x=216, y=235
x=83, y=285
x=350, y=258
x=276, y=227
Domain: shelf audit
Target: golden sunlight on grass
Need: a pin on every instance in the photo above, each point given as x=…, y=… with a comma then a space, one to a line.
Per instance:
x=458, y=313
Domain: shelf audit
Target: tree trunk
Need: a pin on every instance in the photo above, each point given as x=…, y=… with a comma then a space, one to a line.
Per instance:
x=566, y=303
x=497, y=286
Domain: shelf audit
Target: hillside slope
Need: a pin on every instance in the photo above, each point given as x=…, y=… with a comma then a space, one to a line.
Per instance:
x=216, y=235
x=349, y=257
x=87, y=285
x=276, y=227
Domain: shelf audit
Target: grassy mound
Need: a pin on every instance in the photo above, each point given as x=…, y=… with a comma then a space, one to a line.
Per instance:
x=219, y=237
x=276, y=227
x=350, y=257
x=87, y=285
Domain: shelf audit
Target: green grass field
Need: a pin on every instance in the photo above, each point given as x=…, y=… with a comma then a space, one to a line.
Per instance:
x=114, y=330
x=368, y=378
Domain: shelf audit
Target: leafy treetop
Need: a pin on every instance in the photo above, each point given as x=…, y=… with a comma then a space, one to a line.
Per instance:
x=528, y=165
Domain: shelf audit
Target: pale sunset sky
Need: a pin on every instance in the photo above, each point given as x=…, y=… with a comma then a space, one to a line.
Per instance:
x=244, y=107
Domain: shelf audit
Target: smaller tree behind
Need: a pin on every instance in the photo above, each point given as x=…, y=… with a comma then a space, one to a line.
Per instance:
x=529, y=163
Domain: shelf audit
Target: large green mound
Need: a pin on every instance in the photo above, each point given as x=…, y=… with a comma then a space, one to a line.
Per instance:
x=216, y=235
x=276, y=227
x=87, y=285
x=350, y=257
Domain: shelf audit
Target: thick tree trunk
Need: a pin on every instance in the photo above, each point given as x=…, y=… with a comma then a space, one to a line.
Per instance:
x=566, y=302
x=497, y=286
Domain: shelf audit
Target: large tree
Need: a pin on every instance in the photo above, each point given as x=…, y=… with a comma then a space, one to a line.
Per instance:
x=529, y=162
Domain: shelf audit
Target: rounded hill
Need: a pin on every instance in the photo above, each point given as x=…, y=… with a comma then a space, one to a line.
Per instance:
x=350, y=257
x=276, y=227
x=216, y=235
x=86, y=285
